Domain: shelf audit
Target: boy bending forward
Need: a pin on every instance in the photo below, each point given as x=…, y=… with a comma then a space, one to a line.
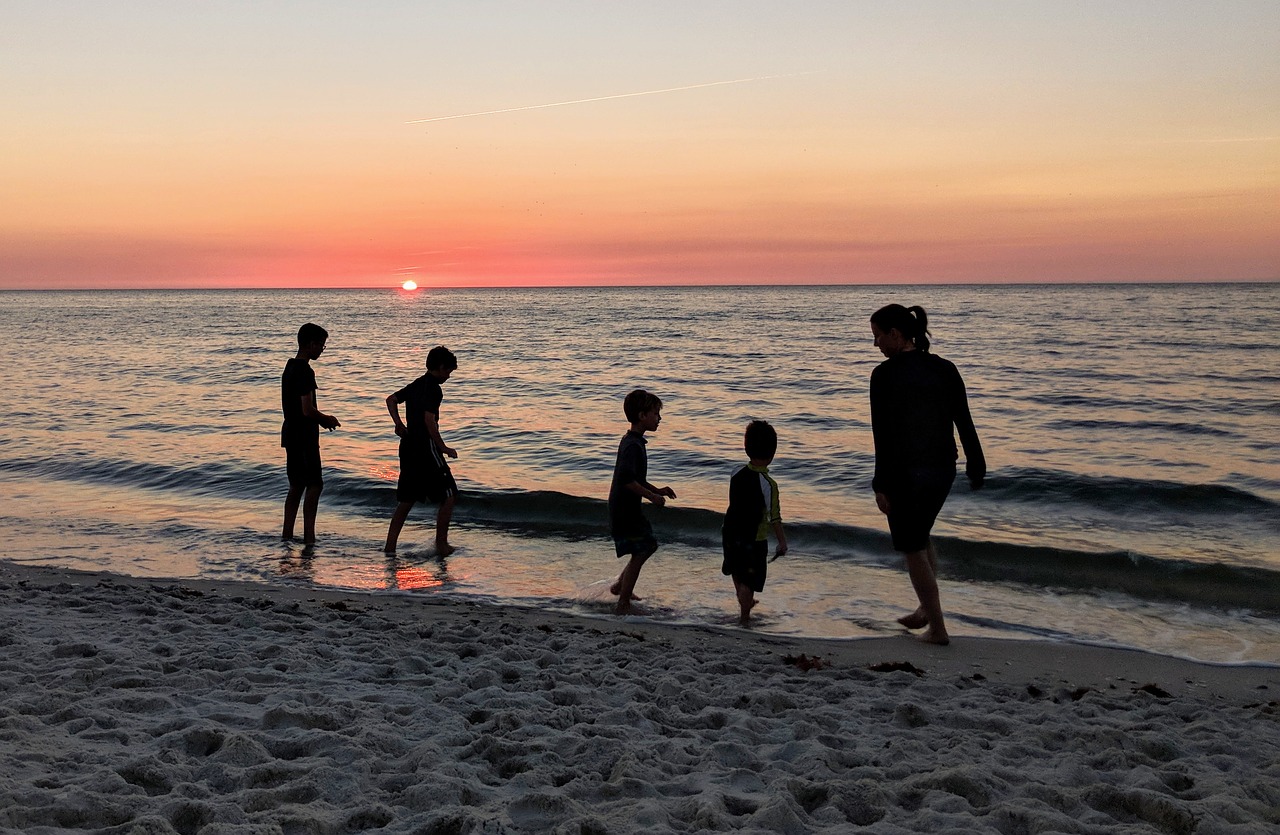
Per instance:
x=424, y=474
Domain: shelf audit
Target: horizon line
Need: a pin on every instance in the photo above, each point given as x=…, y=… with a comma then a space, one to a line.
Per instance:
x=717, y=285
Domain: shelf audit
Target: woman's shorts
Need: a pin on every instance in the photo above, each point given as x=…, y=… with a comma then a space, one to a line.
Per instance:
x=915, y=500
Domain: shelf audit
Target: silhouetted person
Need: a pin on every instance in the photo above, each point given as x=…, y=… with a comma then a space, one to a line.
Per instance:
x=300, y=433
x=631, y=531
x=916, y=399
x=753, y=512
x=424, y=473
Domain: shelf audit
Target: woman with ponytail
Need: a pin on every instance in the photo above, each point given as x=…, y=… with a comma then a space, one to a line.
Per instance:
x=916, y=399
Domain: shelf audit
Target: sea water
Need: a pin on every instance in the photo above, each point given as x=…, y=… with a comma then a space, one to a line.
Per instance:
x=1130, y=431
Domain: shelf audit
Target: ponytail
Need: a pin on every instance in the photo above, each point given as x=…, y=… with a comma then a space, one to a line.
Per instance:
x=921, y=335
x=912, y=322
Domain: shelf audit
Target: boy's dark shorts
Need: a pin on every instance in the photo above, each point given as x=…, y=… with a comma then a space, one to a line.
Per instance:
x=423, y=480
x=636, y=539
x=747, y=563
x=302, y=465
x=915, y=500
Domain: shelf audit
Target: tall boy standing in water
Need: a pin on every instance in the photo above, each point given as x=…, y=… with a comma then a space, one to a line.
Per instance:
x=300, y=433
x=632, y=533
x=424, y=474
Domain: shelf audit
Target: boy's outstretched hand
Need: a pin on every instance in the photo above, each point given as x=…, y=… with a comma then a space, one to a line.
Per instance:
x=661, y=494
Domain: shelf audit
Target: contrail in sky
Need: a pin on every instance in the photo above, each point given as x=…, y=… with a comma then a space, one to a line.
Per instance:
x=607, y=98
x=1227, y=140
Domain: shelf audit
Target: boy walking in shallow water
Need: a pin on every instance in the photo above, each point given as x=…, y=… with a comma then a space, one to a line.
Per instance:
x=753, y=512
x=300, y=432
x=631, y=531
x=424, y=474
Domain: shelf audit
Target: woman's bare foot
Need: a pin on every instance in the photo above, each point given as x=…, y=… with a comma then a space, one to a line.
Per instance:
x=444, y=549
x=915, y=620
x=934, y=636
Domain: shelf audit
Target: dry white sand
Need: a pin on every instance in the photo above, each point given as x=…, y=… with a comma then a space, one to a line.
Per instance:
x=195, y=707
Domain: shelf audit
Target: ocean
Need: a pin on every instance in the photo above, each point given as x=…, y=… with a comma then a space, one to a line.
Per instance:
x=1130, y=431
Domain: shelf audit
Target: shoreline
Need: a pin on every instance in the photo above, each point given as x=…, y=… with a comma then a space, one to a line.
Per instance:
x=1001, y=660
x=210, y=706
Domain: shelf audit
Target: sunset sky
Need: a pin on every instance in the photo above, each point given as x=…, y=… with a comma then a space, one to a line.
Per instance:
x=285, y=144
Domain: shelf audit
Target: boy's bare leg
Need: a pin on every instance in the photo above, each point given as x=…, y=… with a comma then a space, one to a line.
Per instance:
x=310, y=505
x=746, y=601
x=627, y=583
x=919, y=618
x=443, y=516
x=925, y=582
x=397, y=523
x=291, y=502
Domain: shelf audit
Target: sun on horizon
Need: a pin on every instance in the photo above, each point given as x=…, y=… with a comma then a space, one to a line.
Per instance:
x=409, y=285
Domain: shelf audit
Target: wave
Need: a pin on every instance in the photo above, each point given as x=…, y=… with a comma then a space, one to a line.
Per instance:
x=542, y=513
x=1129, y=495
x=1144, y=426
x=1209, y=585
x=246, y=481
x=1010, y=484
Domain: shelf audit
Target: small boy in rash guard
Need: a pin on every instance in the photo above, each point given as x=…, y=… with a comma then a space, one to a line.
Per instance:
x=753, y=512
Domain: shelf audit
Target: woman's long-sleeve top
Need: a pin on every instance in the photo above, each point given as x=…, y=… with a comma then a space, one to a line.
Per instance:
x=916, y=398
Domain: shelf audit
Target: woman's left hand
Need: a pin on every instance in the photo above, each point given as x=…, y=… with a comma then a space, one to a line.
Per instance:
x=882, y=502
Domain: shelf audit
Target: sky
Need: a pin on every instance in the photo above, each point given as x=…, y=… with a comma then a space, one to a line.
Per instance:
x=304, y=144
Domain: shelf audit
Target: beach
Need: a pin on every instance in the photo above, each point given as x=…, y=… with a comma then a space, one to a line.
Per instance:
x=725, y=291
x=198, y=706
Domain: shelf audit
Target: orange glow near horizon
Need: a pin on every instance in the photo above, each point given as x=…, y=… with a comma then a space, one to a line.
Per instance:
x=889, y=148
